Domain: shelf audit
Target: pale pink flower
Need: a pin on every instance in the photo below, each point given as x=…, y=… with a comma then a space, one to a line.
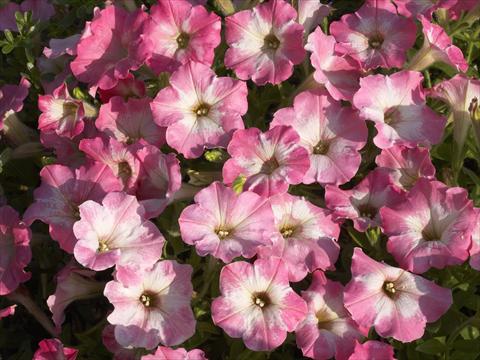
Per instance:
x=165, y=353
x=475, y=249
x=11, y=99
x=407, y=165
x=112, y=345
x=152, y=306
x=431, y=227
x=331, y=134
x=227, y=225
x=257, y=303
x=305, y=236
x=328, y=331
x=14, y=249
x=362, y=203
x=125, y=88
x=200, y=109
x=110, y=47
x=372, y=350
x=264, y=42
x=396, y=104
x=397, y=303
x=8, y=311
x=339, y=74
x=413, y=8
x=270, y=161
x=178, y=32
x=60, y=47
x=311, y=13
x=53, y=349
x=62, y=190
x=371, y=35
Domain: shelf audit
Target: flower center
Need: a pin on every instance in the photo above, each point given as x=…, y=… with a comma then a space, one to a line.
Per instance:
x=375, y=41
x=321, y=148
x=389, y=288
x=261, y=299
x=270, y=166
x=271, y=42
x=222, y=233
x=367, y=210
x=430, y=235
x=202, y=109
x=148, y=299
x=287, y=231
x=325, y=319
x=69, y=108
x=124, y=170
x=103, y=246
x=182, y=40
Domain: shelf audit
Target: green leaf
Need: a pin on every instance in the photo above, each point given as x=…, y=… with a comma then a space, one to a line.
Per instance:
x=432, y=346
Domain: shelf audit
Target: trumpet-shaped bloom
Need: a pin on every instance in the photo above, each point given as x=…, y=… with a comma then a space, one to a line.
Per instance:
x=331, y=134
x=371, y=35
x=11, y=99
x=257, y=303
x=53, y=349
x=14, y=249
x=165, y=353
x=475, y=249
x=432, y=227
x=116, y=232
x=62, y=190
x=152, y=306
x=200, y=109
x=396, y=104
x=270, y=161
x=397, y=303
x=372, y=350
x=227, y=225
x=306, y=236
x=328, y=331
x=264, y=42
x=178, y=33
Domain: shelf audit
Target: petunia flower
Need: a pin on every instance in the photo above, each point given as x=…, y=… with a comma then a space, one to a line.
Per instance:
x=371, y=35
x=178, y=32
x=264, y=42
x=328, y=331
x=200, y=109
x=431, y=227
x=62, y=190
x=362, y=203
x=119, y=352
x=115, y=232
x=372, y=350
x=257, y=303
x=397, y=303
x=415, y=8
x=331, y=134
x=227, y=225
x=475, y=248
x=396, y=104
x=53, y=349
x=11, y=99
x=270, y=161
x=125, y=88
x=305, y=236
x=311, y=13
x=165, y=353
x=15, y=252
x=152, y=306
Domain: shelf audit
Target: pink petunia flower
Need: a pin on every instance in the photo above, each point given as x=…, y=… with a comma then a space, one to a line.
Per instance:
x=11, y=99
x=397, y=303
x=110, y=47
x=116, y=232
x=475, y=249
x=62, y=190
x=414, y=8
x=332, y=135
x=437, y=47
x=112, y=345
x=165, y=353
x=178, y=32
x=431, y=227
x=125, y=88
x=311, y=13
x=270, y=161
x=152, y=305
x=227, y=225
x=53, y=349
x=257, y=303
x=305, y=236
x=396, y=104
x=14, y=249
x=339, y=74
x=362, y=203
x=59, y=47
x=264, y=42
x=371, y=35
x=407, y=165
x=200, y=109
x=372, y=350
x=328, y=331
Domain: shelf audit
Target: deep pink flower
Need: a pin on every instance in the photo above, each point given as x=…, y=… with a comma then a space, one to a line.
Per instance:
x=53, y=349
x=431, y=227
x=362, y=203
x=328, y=331
x=305, y=236
x=407, y=165
x=62, y=191
x=371, y=35
x=396, y=104
x=178, y=32
x=270, y=161
x=475, y=249
x=372, y=350
x=125, y=88
x=11, y=99
x=227, y=225
x=152, y=305
x=165, y=353
x=339, y=74
x=110, y=47
x=8, y=311
x=14, y=249
x=200, y=109
x=264, y=42
x=397, y=303
x=257, y=303
x=331, y=134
